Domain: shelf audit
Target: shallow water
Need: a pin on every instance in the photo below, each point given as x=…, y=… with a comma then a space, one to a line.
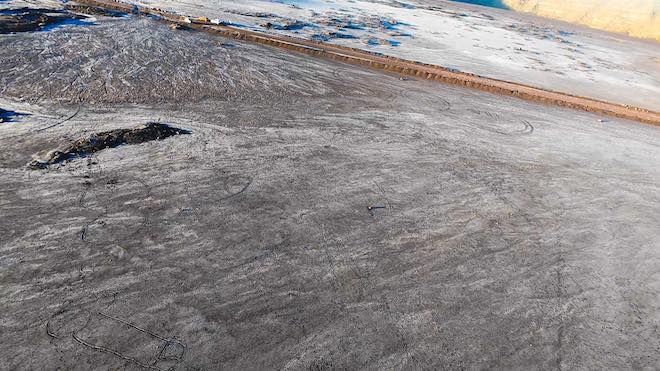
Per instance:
x=9, y=116
x=490, y=3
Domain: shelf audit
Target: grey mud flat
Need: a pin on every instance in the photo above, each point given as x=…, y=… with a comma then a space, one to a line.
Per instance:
x=319, y=216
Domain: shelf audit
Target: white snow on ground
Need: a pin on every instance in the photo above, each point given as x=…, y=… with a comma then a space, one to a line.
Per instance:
x=490, y=42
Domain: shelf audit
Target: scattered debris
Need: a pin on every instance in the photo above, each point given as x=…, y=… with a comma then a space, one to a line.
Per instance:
x=286, y=26
x=29, y=19
x=109, y=139
x=178, y=26
x=376, y=206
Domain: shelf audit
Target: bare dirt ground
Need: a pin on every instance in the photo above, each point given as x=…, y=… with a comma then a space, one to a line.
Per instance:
x=319, y=216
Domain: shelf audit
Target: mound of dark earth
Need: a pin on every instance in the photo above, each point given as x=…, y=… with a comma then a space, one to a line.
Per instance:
x=108, y=139
x=29, y=19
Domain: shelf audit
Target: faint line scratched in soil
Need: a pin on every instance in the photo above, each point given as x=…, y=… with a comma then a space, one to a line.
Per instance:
x=152, y=365
x=113, y=352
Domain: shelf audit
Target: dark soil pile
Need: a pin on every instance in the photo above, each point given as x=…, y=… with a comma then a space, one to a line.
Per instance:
x=108, y=139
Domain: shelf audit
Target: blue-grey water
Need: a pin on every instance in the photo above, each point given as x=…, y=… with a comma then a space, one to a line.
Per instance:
x=491, y=3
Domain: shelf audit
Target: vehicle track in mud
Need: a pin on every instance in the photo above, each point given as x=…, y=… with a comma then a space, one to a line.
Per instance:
x=499, y=124
x=107, y=222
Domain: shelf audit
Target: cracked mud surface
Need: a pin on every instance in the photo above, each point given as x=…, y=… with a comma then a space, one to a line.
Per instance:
x=318, y=216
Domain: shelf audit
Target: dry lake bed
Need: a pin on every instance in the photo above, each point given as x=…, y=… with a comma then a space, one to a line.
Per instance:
x=296, y=213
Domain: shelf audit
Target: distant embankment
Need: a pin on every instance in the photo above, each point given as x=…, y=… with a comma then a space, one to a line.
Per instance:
x=387, y=63
x=639, y=18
